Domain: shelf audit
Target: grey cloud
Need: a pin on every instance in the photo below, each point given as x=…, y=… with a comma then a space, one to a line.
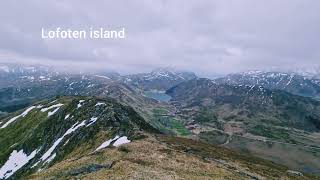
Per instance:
x=207, y=36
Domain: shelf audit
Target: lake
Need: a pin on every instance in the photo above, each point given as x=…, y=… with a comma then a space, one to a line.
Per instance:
x=158, y=95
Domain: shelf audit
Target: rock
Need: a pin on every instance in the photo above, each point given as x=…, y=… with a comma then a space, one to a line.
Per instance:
x=294, y=173
x=89, y=169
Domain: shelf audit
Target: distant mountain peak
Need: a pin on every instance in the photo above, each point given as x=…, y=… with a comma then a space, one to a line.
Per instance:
x=159, y=79
x=289, y=81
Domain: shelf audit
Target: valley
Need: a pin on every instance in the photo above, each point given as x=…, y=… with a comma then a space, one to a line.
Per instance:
x=247, y=126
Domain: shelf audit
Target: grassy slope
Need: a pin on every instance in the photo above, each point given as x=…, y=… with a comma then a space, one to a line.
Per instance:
x=38, y=131
x=164, y=157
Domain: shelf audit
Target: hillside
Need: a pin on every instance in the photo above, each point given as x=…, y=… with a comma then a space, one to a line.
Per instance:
x=163, y=157
x=47, y=132
x=267, y=123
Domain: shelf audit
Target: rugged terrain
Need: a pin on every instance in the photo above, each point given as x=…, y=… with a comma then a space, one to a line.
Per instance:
x=62, y=125
x=86, y=137
x=26, y=85
x=267, y=123
x=47, y=132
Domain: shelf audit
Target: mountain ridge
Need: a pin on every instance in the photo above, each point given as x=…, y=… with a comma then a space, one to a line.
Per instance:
x=52, y=130
x=290, y=82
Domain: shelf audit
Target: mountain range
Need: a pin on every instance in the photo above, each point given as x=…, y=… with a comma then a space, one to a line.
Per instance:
x=290, y=82
x=251, y=125
x=87, y=137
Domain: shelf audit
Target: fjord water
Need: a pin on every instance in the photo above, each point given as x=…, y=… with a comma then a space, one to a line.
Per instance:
x=158, y=95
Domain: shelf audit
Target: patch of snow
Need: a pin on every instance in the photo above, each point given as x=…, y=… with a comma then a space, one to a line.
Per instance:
x=290, y=80
x=15, y=118
x=100, y=103
x=39, y=106
x=106, y=143
x=92, y=120
x=67, y=116
x=251, y=88
x=79, y=104
x=280, y=80
x=16, y=161
x=35, y=164
x=66, y=142
x=105, y=77
x=58, y=141
x=297, y=173
x=91, y=85
x=53, y=101
x=121, y=141
x=51, y=107
x=13, y=145
x=50, y=113
x=252, y=72
x=71, y=83
x=50, y=158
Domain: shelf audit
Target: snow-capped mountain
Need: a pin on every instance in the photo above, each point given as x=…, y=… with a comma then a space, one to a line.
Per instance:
x=18, y=69
x=290, y=82
x=18, y=75
x=159, y=79
x=311, y=72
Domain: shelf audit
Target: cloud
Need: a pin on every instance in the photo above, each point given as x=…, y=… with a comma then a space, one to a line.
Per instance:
x=207, y=36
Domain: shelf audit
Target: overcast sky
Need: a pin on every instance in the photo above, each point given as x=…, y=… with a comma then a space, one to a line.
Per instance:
x=205, y=36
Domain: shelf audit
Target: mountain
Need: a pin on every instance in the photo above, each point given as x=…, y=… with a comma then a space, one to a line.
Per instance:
x=24, y=90
x=17, y=69
x=16, y=97
x=246, y=118
x=22, y=85
x=312, y=72
x=267, y=123
x=88, y=137
x=30, y=91
x=63, y=84
x=290, y=82
x=18, y=75
x=159, y=79
x=47, y=132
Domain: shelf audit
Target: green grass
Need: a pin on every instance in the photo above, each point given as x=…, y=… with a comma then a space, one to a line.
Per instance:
x=272, y=133
x=170, y=124
x=159, y=111
x=205, y=115
x=179, y=127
